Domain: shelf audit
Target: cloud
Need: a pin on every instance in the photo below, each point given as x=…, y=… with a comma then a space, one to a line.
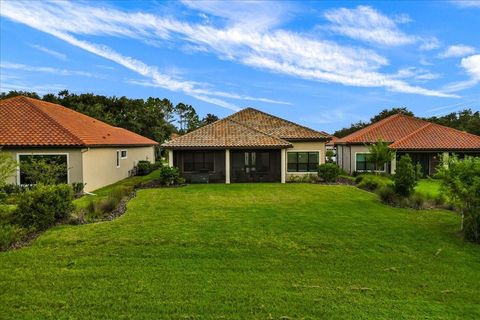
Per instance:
x=457, y=51
x=471, y=65
x=364, y=23
x=51, y=52
x=418, y=74
x=61, y=72
x=272, y=49
x=466, y=3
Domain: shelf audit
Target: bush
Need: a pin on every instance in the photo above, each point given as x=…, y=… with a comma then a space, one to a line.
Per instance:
x=387, y=195
x=304, y=178
x=120, y=192
x=416, y=201
x=170, y=176
x=461, y=182
x=78, y=188
x=328, y=172
x=405, y=178
x=44, y=205
x=10, y=233
x=144, y=167
x=107, y=205
x=373, y=182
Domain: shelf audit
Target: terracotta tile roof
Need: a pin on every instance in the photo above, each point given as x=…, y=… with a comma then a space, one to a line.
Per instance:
x=226, y=133
x=31, y=122
x=332, y=141
x=276, y=126
x=405, y=132
x=436, y=137
x=389, y=129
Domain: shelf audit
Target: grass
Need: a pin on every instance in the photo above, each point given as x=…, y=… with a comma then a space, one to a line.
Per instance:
x=104, y=192
x=428, y=187
x=246, y=251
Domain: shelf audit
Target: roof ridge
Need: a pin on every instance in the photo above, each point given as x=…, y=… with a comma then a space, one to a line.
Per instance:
x=277, y=117
x=414, y=132
x=39, y=111
x=454, y=129
x=257, y=130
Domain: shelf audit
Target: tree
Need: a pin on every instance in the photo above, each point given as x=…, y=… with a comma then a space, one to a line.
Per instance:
x=380, y=154
x=404, y=178
x=329, y=154
x=461, y=182
x=209, y=118
x=7, y=167
x=187, y=117
x=42, y=171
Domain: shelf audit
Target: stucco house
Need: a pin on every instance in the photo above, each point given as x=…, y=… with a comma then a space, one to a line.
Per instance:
x=426, y=142
x=95, y=153
x=248, y=146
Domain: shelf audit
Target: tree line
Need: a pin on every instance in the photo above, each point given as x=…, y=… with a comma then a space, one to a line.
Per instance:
x=465, y=120
x=154, y=118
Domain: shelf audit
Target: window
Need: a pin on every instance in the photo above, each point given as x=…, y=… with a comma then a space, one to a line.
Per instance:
x=303, y=161
x=59, y=159
x=118, y=159
x=198, y=161
x=363, y=163
x=123, y=154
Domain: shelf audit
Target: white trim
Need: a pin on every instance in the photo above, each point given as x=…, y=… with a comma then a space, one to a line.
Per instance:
x=170, y=158
x=126, y=154
x=302, y=172
x=366, y=152
x=118, y=157
x=43, y=154
x=227, y=166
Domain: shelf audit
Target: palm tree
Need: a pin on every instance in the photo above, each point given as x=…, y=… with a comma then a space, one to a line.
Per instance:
x=380, y=154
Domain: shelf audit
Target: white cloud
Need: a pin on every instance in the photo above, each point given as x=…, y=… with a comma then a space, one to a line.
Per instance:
x=61, y=72
x=51, y=52
x=418, y=74
x=466, y=3
x=471, y=65
x=367, y=24
x=277, y=50
x=457, y=51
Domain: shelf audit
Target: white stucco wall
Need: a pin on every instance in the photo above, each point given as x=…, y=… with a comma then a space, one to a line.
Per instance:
x=100, y=168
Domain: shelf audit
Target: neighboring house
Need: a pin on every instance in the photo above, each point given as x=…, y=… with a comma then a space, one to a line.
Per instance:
x=248, y=146
x=427, y=143
x=95, y=153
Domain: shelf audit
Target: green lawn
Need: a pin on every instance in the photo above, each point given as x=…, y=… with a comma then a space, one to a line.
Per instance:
x=248, y=251
x=428, y=187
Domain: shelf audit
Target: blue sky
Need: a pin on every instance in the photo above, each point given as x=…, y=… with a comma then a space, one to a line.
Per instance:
x=321, y=64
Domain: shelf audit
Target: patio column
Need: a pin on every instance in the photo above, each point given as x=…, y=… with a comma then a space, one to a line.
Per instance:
x=283, y=165
x=227, y=166
x=445, y=157
x=170, y=158
x=393, y=163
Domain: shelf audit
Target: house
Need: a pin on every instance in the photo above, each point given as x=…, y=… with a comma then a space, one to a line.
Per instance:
x=248, y=146
x=427, y=143
x=94, y=152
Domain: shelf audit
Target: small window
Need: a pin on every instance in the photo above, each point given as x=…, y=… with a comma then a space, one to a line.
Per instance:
x=302, y=161
x=123, y=154
x=118, y=158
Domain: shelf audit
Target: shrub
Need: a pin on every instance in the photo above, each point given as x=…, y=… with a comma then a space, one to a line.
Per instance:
x=143, y=168
x=405, y=178
x=107, y=204
x=170, y=176
x=416, y=201
x=387, y=195
x=373, y=182
x=418, y=171
x=120, y=192
x=44, y=205
x=78, y=188
x=461, y=182
x=6, y=214
x=328, y=172
x=10, y=233
x=329, y=155
x=43, y=171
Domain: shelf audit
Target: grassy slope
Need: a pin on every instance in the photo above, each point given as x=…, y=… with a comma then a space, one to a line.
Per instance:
x=429, y=187
x=248, y=251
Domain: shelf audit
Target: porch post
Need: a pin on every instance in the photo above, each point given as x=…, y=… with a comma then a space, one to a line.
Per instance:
x=393, y=163
x=227, y=166
x=283, y=165
x=170, y=158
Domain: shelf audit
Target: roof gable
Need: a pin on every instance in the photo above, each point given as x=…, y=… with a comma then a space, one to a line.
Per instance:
x=31, y=122
x=226, y=133
x=276, y=126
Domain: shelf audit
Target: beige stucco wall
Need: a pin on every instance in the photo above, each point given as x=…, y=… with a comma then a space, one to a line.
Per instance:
x=74, y=156
x=346, y=156
x=100, y=169
x=307, y=146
